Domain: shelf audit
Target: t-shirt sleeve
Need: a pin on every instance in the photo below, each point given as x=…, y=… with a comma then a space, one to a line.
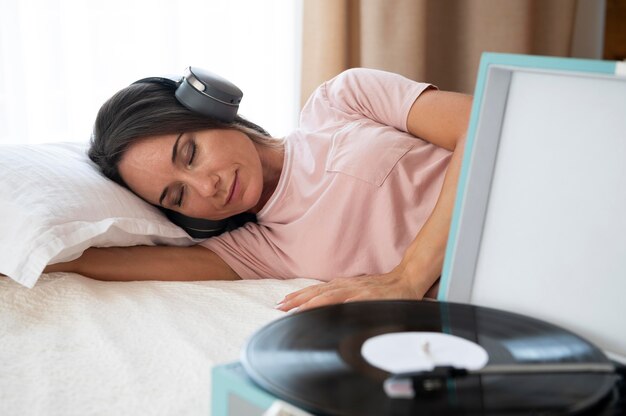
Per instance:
x=381, y=96
x=248, y=251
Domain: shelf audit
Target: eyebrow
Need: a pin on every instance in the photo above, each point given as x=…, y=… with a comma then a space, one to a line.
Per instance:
x=174, y=152
x=175, y=147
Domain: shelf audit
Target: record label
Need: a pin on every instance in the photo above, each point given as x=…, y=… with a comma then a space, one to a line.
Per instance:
x=406, y=352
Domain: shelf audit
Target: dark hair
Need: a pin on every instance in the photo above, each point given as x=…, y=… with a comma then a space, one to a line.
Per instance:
x=151, y=109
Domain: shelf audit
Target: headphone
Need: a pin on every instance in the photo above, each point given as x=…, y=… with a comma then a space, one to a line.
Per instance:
x=208, y=94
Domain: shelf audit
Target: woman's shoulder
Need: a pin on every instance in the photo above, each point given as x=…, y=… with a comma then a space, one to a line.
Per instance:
x=362, y=93
x=326, y=105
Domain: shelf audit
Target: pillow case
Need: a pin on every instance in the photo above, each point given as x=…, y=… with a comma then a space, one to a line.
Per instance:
x=55, y=203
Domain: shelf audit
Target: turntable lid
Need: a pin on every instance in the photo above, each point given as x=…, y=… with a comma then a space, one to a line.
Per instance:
x=539, y=225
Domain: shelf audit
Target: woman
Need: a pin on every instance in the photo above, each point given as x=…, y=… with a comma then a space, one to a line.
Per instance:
x=359, y=196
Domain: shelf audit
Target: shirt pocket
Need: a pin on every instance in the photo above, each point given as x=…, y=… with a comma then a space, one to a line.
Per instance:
x=367, y=151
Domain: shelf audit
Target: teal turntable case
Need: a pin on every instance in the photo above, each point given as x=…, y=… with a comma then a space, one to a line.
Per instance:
x=235, y=394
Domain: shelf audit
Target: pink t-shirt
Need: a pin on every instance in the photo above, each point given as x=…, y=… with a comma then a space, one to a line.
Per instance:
x=355, y=187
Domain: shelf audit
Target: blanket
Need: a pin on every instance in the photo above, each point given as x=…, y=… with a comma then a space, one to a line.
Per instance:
x=77, y=346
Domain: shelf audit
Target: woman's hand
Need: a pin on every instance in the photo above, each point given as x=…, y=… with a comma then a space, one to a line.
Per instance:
x=392, y=285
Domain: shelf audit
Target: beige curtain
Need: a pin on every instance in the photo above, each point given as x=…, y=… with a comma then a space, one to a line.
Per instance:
x=438, y=41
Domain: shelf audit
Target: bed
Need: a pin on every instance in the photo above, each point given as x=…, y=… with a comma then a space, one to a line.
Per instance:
x=77, y=346
x=73, y=345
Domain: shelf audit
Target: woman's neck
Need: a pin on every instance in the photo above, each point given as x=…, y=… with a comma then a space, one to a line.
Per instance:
x=272, y=160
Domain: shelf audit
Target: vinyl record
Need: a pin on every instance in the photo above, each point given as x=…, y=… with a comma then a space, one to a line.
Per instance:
x=315, y=360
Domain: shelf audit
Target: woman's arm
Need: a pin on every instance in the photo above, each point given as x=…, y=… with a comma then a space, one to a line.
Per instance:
x=441, y=118
x=148, y=263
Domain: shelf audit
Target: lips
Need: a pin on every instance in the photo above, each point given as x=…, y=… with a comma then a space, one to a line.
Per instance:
x=233, y=188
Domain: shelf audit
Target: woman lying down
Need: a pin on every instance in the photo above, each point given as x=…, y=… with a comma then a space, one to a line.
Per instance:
x=360, y=196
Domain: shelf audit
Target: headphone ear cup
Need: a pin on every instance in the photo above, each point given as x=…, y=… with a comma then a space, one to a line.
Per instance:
x=203, y=92
x=197, y=227
x=209, y=94
x=199, y=103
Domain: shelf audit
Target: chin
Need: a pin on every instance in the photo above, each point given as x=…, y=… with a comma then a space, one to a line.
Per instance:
x=251, y=200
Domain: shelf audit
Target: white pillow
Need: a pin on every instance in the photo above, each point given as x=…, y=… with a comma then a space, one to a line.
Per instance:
x=54, y=204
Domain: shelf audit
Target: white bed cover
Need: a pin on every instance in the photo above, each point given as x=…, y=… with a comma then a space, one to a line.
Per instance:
x=77, y=346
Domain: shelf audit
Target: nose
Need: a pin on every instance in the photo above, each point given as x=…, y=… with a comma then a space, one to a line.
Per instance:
x=205, y=185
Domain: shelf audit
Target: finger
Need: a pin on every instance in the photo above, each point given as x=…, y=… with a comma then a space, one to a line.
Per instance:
x=298, y=293
x=377, y=293
x=298, y=299
x=323, y=295
x=355, y=286
x=330, y=297
x=301, y=296
x=337, y=283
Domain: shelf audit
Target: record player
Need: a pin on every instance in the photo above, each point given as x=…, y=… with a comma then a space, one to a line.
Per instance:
x=530, y=317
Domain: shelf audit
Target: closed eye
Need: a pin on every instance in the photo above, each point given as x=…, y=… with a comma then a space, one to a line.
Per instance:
x=181, y=194
x=192, y=153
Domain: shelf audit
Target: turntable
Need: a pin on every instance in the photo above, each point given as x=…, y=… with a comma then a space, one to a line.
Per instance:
x=530, y=318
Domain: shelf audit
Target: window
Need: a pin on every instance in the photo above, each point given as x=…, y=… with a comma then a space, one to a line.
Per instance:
x=61, y=60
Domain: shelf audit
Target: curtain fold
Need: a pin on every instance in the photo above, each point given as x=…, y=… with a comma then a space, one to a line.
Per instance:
x=438, y=41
